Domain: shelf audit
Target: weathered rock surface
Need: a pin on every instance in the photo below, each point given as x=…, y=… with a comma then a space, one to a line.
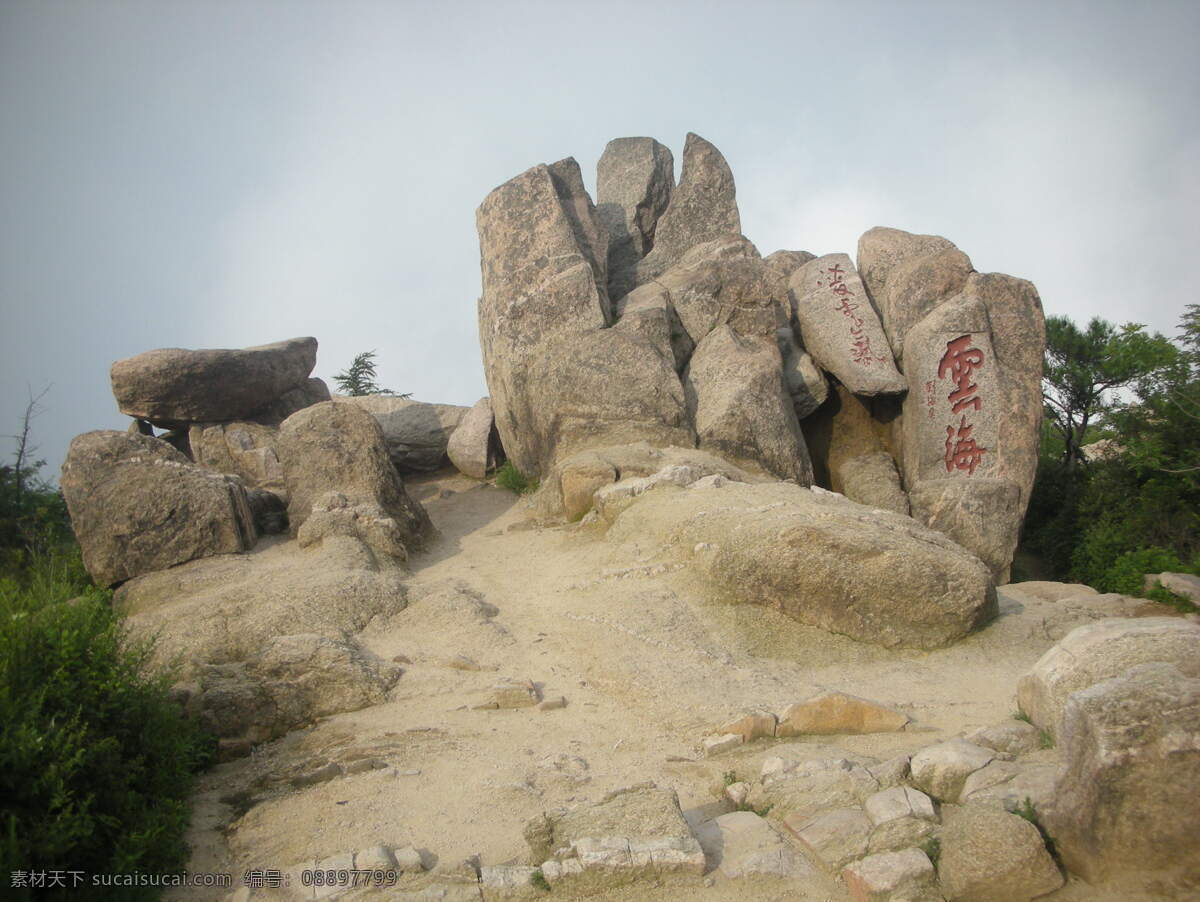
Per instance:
x=473, y=446
x=804, y=380
x=906, y=876
x=293, y=680
x=1131, y=765
x=416, y=433
x=821, y=559
x=173, y=386
x=742, y=844
x=575, y=480
x=138, y=505
x=836, y=712
x=703, y=206
x=634, y=181
x=840, y=328
x=311, y=391
x=339, y=447
x=989, y=855
x=737, y=400
x=806, y=788
x=847, y=426
x=982, y=514
x=246, y=450
x=834, y=838
x=632, y=833
x=1100, y=651
x=784, y=263
x=1013, y=737
x=872, y=480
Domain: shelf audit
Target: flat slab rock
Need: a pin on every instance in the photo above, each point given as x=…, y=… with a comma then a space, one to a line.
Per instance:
x=744, y=845
x=171, y=386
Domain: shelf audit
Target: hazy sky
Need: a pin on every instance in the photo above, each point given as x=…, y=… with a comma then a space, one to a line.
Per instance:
x=224, y=174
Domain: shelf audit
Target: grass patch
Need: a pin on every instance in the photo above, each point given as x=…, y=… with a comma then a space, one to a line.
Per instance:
x=1171, y=599
x=1029, y=813
x=509, y=477
x=730, y=777
x=538, y=880
x=933, y=848
x=1023, y=717
x=96, y=761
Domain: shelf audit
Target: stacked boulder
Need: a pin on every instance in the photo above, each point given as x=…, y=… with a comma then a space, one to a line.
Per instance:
x=254, y=443
x=910, y=383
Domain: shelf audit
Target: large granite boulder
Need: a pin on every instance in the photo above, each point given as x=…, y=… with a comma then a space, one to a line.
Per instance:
x=1099, y=651
x=990, y=855
x=703, y=206
x=1125, y=796
x=172, y=386
x=840, y=328
x=337, y=449
x=740, y=407
x=819, y=558
x=417, y=433
x=970, y=424
x=634, y=180
x=872, y=479
x=139, y=505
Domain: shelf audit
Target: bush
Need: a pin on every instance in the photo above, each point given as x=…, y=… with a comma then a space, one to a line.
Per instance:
x=96, y=761
x=509, y=477
x=1127, y=574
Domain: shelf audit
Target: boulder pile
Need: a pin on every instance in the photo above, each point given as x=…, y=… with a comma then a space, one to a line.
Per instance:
x=906, y=380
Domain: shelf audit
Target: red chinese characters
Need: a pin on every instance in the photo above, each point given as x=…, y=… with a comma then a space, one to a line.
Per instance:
x=958, y=363
x=861, y=351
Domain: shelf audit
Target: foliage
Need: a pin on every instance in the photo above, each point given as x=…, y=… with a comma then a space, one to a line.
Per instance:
x=932, y=847
x=359, y=378
x=538, y=881
x=1109, y=521
x=509, y=477
x=33, y=514
x=1083, y=366
x=96, y=762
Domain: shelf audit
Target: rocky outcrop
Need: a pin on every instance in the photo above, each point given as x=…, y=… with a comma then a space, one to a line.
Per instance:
x=173, y=386
x=417, y=433
x=246, y=450
x=989, y=855
x=872, y=480
x=473, y=446
x=139, y=505
x=1131, y=764
x=337, y=447
x=1100, y=651
x=819, y=558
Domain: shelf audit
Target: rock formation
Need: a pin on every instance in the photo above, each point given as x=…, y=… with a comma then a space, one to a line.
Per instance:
x=650, y=318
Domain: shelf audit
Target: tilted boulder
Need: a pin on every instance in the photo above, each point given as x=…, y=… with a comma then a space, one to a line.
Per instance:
x=417, y=433
x=173, y=386
x=1125, y=796
x=804, y=380
x=311, y=391
x=840, y=328
x=138, y=505
x=737, y=401
x=907, y=276
x=634, y=181
x=1099, y=651
x=703, y=206
x=785, y=263
x=821, y=559
x=339, y=447
x=474, y=447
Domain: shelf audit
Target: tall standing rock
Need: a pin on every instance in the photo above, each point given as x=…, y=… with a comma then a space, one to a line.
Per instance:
x=138, y=505
x=474, y=448
x=703, y=207
x=171, y=387
x=539, y=287
x=840, y=328
x=634, y=180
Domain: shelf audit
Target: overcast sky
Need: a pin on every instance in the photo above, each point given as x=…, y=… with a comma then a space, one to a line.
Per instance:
x=224, y=174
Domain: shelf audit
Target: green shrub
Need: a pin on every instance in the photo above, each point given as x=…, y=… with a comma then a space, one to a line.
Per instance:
x=96, y=762
x=509, y=477
x=1127, y=573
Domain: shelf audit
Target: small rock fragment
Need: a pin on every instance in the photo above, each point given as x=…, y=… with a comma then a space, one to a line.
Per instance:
x=715, y=745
